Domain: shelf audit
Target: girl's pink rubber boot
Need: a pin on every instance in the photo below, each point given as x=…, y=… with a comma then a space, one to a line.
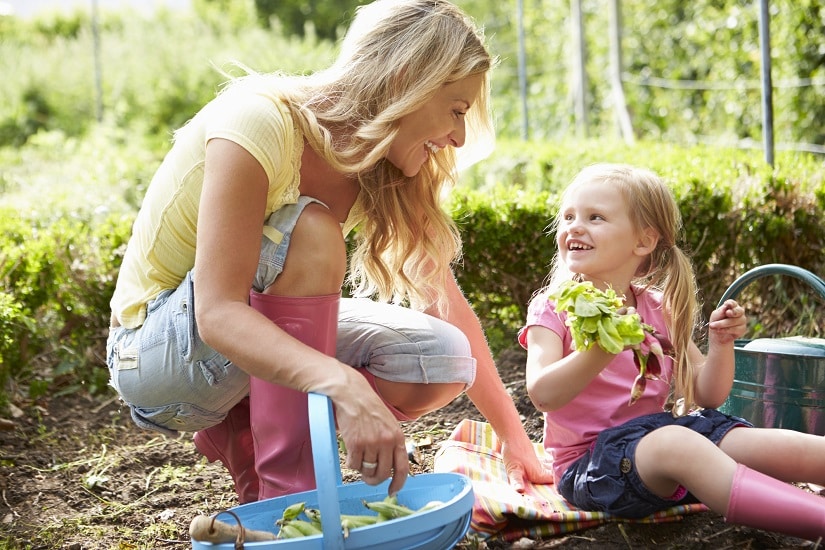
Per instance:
x=760, y=501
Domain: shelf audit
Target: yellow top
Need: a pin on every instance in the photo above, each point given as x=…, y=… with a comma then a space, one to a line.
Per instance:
x=161, y=250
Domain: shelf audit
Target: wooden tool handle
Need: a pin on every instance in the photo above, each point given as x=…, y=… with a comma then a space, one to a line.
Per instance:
x=209, y=529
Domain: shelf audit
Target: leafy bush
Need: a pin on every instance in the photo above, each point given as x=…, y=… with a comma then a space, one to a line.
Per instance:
x=71, y=204
x=57, y=277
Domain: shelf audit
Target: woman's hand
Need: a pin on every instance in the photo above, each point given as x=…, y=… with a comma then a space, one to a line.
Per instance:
x=372, y=436
x=523, y=465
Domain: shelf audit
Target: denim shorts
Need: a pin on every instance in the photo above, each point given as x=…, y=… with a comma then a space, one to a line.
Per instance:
x=605, y=478
x=173, y=382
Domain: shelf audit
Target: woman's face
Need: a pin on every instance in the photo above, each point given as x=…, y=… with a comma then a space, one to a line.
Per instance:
x=437, y=124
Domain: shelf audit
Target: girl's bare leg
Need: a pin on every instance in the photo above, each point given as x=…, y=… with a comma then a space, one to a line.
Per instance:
x=674, y=455
x=739, y=490
x=782, y=454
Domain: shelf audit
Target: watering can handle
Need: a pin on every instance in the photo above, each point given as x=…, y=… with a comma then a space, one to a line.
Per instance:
x=773, y=269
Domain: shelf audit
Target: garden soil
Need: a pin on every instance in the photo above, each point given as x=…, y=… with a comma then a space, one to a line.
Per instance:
x=76, y=474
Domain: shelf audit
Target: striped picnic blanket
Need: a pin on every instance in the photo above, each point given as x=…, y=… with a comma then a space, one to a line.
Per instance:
x=474, y=450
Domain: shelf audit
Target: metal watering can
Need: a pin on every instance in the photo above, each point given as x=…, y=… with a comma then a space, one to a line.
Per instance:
x=779, y=382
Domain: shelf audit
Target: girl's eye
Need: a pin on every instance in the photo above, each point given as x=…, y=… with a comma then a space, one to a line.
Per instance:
x=597, y=217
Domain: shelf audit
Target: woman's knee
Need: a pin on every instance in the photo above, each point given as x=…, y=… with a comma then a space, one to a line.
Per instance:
x=414, y=400
x=316, y=260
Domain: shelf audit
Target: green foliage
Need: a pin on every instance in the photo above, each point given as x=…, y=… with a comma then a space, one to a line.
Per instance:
x=507, y=253
x=691, y=71
x=326, y=19
x=57, y=276
x=154, y=72
x=67, y=210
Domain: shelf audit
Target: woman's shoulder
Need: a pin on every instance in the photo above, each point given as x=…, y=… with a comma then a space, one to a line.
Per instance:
x=252, y=98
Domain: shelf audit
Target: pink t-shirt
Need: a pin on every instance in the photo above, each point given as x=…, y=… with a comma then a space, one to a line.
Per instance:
x=570, y=430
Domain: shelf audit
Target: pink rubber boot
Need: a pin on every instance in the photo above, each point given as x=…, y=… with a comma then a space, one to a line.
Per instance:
x=279, y=416
x=760, y=501
x=231, y=443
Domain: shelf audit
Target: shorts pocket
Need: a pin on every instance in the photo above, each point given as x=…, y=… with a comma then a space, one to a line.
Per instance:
x=214, y=369
x=125, y=357
x=184, y=319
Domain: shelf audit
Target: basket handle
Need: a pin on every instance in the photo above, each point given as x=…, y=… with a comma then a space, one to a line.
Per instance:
x=773, y=269
x=327, y=468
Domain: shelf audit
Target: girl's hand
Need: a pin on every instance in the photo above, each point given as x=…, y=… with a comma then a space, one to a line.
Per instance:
x=727, y=323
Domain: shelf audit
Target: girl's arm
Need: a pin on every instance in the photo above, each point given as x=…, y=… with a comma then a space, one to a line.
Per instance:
x=492, y=400
x=714, y=374
x=552, y=379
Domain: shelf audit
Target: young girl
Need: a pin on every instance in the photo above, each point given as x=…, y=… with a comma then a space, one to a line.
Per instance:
x=617, y=228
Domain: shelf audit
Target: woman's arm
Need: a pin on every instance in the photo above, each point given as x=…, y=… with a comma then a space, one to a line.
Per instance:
x=228, y=248
x=492, y=400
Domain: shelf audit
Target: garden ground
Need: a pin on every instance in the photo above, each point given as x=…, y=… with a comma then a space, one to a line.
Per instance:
x=77, y=474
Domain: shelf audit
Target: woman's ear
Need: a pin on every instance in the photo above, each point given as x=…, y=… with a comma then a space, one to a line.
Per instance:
x=647, y=242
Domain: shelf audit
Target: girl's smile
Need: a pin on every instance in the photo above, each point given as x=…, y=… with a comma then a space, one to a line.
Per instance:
x=595, y=235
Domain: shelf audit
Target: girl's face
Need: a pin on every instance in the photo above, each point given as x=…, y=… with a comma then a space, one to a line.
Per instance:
x=595, y=235
x=437, y=124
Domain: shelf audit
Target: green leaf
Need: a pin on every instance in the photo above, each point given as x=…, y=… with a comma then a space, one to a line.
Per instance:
x=585, y=306
x=609, y=338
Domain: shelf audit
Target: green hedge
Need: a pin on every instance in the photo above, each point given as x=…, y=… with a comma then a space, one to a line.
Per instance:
x=60, y=252
x=57, y=277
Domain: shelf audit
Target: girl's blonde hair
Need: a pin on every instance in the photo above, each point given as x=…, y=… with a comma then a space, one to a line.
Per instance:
x=395, y=57
x=651, y=205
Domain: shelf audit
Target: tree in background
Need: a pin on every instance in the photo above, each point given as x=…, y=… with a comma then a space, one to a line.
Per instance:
x=691, y=69
x=327, y=17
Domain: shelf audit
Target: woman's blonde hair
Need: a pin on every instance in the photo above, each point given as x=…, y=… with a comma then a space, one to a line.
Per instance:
x=651, y=205
x=396, y=56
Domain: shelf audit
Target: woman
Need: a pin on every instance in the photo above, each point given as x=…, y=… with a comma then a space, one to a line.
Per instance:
x=207, y=310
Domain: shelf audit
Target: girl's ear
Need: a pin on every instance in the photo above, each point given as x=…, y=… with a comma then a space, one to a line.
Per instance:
x=647, y=242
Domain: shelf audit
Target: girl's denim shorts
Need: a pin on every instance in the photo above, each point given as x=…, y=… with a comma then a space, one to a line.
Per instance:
x=605, y=478
x=173, y=382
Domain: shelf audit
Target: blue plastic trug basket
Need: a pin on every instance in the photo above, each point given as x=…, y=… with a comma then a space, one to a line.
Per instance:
x=436, y=529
